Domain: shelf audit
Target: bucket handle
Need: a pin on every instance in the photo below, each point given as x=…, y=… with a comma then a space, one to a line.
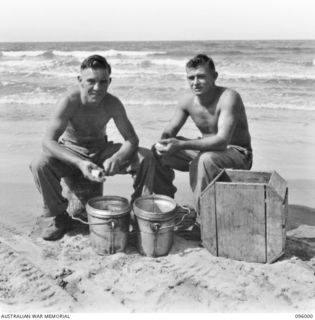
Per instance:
x=155, y=227
x=184, y=216
x=110, y=222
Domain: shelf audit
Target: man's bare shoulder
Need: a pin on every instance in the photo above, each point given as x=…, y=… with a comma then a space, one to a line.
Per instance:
x=69, y=102
x=230, y=95
x=230, y=98
x=186, y=102
x=112, y=99
x=113, y=104
x=74, y=96
x=71, y=99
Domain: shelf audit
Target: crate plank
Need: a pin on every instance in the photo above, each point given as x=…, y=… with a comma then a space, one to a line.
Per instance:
x=248, y=176
x=277, y=214
x=240, y=210
x=284, y=213
x=278, y=184
x=208, y=219
x=207, y=211
x=274, y=222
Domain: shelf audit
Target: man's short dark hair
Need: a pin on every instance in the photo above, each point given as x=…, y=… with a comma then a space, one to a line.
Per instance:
x=96, y=62
x=200, y=60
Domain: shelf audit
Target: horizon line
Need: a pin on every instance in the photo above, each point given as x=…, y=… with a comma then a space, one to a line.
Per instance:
x=77, y=41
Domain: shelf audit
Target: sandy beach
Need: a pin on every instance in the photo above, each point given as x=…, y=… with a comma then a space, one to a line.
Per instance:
x=68, y=276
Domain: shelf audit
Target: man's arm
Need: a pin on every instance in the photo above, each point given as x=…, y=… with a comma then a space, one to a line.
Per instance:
x=176, y=123
x=55, y=129
x=130, y=144
x=172, y=128
x=229, y=110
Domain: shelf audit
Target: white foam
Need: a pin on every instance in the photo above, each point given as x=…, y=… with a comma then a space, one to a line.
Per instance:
x=150, y=102
x=28, y=99
x=148, y=63
x=266, y=75
x=83, y=54
x=170, y=62
x=293, y=107
x=46, y=67
x=107, y=53
x=5, y=83
x=60, y=73
x=134, y=72
x=22, y=53
x=30, y=64
x=38, y=97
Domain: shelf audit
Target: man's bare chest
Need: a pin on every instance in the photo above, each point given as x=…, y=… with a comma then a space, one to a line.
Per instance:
x=205, y=119
x=89, y=120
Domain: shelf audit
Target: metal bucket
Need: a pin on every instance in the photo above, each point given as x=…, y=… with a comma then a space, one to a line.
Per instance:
x=155, y=216
x=108, y=218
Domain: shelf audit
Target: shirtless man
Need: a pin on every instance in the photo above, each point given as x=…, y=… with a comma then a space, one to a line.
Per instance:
x=75, y=143
x=220, y=116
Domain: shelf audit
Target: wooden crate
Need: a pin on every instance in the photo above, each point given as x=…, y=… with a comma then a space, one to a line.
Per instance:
x=243, y=215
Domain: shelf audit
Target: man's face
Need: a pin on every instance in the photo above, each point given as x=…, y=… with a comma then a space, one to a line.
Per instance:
x=94, y=84
x=201, y=79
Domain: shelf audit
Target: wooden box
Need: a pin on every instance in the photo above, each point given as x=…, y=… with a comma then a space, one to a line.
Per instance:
x=243, y=215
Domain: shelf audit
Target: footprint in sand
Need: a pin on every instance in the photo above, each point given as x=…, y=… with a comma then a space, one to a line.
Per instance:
x=22, y=282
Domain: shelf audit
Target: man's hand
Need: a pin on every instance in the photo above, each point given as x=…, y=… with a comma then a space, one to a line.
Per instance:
x=111, y=166
x=170, y=145
x=87, y=167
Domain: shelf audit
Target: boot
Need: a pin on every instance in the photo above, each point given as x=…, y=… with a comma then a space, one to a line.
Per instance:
x=57, y=228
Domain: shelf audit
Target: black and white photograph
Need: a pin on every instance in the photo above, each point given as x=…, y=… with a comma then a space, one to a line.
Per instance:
x=157, y=157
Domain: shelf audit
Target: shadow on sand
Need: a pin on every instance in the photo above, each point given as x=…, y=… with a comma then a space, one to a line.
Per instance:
x=302, y=247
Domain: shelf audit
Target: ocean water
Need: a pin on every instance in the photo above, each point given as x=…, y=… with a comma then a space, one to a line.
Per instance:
x=268, y=74
x=149, y=77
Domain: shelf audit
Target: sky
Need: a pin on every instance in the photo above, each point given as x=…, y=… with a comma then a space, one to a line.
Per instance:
x=138, y=20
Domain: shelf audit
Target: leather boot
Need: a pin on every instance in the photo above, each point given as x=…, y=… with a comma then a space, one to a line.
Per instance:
x=57, y=228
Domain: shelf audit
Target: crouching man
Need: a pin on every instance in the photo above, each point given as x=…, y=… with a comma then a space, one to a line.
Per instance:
x=75, y=143
x=225, y=141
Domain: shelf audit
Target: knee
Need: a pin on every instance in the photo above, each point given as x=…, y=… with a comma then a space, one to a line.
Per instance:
x=203, y=170
x=161, y=160
x=206, y=164
x=165, y=160
x=40, y=162
x=146, y=156
x=208, y=159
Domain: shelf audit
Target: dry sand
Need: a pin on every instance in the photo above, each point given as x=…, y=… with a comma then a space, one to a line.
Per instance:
x=67, y=276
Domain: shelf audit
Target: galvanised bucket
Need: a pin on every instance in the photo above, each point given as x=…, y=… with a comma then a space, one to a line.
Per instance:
x=108, y=219
x=155, y=216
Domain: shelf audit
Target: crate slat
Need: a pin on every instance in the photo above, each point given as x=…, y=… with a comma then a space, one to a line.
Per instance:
x=208, y=220
x=241, y=221
x=278, y=184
